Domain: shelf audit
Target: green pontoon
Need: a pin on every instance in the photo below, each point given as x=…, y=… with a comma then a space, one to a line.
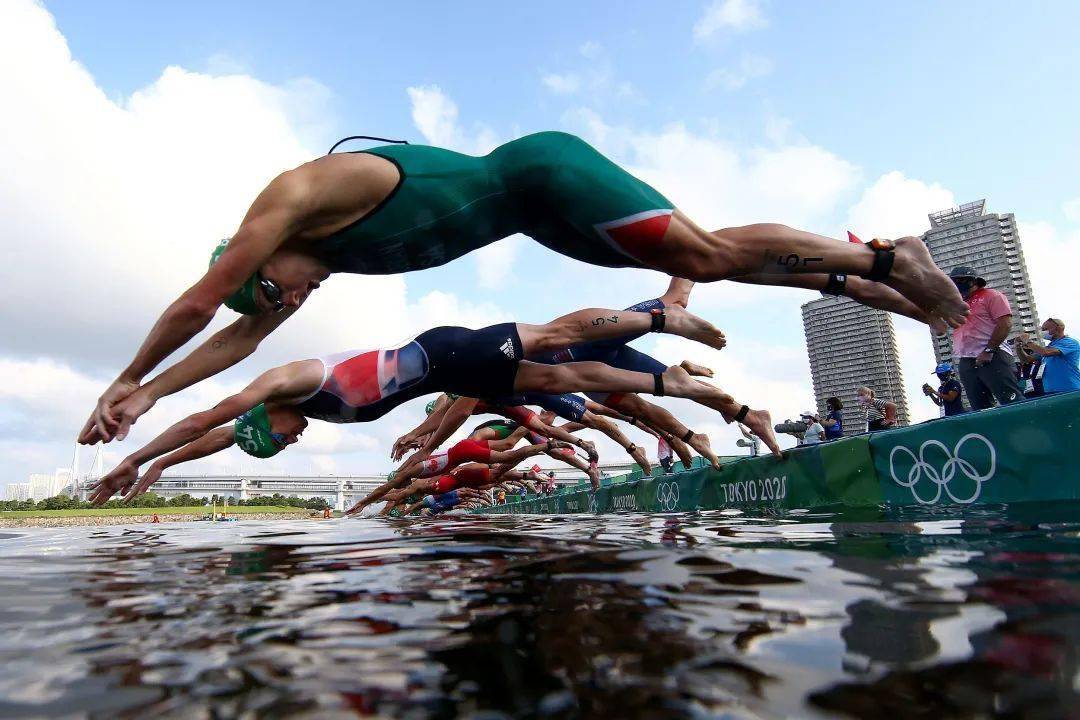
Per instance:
x=1022, y=452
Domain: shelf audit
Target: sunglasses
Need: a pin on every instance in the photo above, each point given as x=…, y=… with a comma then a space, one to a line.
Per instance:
x=271, y=291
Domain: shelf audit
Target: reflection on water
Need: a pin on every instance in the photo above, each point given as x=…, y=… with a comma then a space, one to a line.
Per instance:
x=634, y=616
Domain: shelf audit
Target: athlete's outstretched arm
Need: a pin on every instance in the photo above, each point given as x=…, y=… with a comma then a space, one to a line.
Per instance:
x=212, y=442
x=429, y=425
x=454, y=417
x=292, y=380
x=272, y=218
x=224, y=349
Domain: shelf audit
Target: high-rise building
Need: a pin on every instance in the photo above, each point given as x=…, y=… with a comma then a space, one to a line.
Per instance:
x=18, y=491
x=851, y=345
x=968, y=235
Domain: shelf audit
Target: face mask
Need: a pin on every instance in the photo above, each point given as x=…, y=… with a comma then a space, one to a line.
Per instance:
x=964, y=286
x=1047, y=336
x=864, y=400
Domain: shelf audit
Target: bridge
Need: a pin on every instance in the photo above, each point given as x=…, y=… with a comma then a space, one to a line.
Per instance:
x=340, y=491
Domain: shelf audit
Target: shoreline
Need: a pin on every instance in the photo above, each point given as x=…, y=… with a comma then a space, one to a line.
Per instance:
x=81, y=520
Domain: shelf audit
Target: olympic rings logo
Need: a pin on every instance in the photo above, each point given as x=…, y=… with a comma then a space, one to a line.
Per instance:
x=667, y=495
x=941, y=478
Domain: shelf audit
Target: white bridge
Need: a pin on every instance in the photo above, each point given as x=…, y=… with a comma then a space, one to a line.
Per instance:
x=340, y=491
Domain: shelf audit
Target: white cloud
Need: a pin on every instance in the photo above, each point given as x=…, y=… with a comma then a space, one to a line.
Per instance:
x=110, y=206
x=722, y=184
x=1046, y=249
x=495, y=262
x=566, y=84
x=897, y=206
x=734, y=15
x=748, y=68
x=435, y=115
x=1071, y=209
x=590, y=49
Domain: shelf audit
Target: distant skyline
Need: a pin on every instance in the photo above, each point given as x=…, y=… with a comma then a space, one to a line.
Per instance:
x=136, y=135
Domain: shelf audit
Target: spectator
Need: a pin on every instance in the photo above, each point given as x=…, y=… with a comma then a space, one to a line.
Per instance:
x=665, y=456
x=549, y=485
x=949, y=394
x=1059, y=357
x=834, y=419
x=1030, y=367
x=986, y=370
x=880, y=414
x=815, y=432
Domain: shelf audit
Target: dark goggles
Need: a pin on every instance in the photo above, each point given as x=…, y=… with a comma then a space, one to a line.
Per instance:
x=279, y=440
x=272, y=292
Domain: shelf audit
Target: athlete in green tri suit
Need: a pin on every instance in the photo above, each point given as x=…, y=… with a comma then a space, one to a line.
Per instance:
x=398, y=208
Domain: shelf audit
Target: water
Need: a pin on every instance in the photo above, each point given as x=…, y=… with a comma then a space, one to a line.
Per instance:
x=633, y=616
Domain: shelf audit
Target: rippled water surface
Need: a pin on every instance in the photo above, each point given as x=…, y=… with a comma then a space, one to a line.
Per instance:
x=631, y=616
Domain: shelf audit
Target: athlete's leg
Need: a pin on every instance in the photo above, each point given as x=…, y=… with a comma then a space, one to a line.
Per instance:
x=691, y=252
x=594, y=324
x=871, y=294
x=662, y=419
x=675, y=381
x=513, y=457
x=508, y=443
x=422, y=486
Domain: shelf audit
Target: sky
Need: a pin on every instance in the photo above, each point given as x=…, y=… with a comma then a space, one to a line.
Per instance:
x=135, y=135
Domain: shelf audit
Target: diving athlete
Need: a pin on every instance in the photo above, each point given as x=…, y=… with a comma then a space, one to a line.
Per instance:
x=361, y=386
x=399, y=208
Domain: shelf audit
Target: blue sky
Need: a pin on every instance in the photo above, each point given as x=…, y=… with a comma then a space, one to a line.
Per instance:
x=133, y=154
x=927, y=88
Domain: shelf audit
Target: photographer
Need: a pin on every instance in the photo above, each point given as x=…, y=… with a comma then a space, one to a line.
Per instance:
x=949, y=393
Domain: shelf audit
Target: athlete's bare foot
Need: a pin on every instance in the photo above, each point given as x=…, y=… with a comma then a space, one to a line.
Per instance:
x=590, y=450
x=883, y=297
x=680, y=322
x=695, y=369
x=678, y=383
x=594, y=475
x=641, y=459
x=760, y=423
x=915, y=276
x=704, y=448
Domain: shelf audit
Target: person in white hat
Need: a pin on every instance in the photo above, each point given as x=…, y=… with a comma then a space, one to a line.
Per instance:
x=815, y=431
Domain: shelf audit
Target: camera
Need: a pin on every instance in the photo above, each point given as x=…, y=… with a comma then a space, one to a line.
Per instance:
x=790, y=428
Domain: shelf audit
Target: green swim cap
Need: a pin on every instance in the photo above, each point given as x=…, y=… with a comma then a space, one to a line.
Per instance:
x=430, y=407
x=243, y=300
x=252, y=433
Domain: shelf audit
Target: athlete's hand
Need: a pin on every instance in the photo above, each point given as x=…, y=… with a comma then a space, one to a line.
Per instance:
x=403, y=444
x=130, y=409
x=119, y=480
x=417, y=457
x=148, y=478
x=103, y=424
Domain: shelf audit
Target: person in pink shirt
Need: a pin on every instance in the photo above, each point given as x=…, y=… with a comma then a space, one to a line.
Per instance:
x=986, y=370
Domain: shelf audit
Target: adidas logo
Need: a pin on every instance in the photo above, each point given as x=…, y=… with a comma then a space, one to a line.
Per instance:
x=508, y=348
